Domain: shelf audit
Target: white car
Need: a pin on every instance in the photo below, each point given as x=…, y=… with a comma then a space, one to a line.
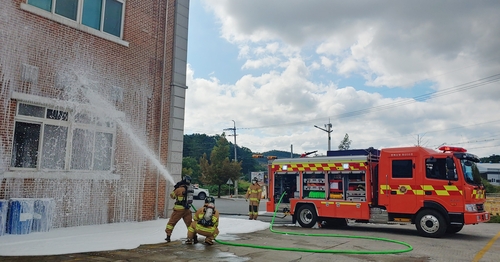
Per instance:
x=200, y=193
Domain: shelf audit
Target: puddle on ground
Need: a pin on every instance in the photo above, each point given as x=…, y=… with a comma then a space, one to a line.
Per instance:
x=201, y=252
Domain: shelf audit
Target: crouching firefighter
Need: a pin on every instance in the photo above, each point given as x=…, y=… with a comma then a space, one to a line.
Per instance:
x=254, y=193
x=206, y=222
x=183, y=195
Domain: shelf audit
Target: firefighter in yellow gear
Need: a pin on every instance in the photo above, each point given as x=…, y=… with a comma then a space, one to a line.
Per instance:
x=183, y=195
x=254, y=193
x=205, y=222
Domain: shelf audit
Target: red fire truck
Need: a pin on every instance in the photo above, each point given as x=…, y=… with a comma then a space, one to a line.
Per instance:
x=433, y=190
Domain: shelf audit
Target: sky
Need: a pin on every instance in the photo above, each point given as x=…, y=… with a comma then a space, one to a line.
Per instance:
x=387, y=73
x=111, y=237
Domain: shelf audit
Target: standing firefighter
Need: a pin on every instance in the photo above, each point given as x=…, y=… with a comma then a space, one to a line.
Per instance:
x=183, y=195
x=254, y=192
x=206, y=221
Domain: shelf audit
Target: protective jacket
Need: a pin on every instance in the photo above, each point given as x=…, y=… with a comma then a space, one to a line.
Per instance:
x=180, y=196
x=203, y=226
x=254, y=193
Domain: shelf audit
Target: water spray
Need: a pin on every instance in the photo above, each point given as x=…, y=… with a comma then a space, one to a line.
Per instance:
x=111, y=112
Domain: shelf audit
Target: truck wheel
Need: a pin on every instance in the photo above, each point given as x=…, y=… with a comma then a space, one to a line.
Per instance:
x=430, y=223
x=306, y=216
x=202, y=196
x=452, y=229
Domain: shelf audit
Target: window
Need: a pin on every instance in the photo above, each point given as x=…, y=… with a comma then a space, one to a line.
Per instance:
x=103, y=15
x=402, y=169
x=435, y=168
x=47, y=138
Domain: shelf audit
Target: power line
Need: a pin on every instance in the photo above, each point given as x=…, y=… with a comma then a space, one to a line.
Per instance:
x=432, y=95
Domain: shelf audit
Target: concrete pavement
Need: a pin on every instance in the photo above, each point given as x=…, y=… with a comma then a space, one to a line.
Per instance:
x=473, y=243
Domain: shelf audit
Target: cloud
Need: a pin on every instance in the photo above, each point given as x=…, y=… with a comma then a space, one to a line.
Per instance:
x=368, y=67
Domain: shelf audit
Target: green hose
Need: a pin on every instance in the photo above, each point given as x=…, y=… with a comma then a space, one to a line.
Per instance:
x=409, y=247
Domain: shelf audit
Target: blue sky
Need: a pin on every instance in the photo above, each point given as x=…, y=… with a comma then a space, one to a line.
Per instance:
x=279, y=68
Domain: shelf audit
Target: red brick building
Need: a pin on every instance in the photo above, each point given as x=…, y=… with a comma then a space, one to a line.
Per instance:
x=92, y=101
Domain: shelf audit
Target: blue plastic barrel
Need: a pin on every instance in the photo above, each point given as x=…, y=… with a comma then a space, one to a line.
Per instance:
x=4, y=207
x=20, y=216
x=43, y=213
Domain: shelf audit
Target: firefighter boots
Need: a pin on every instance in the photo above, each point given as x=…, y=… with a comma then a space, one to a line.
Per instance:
x=209, y=241
x=167, y=239
x=195, y=239
x=189, y=241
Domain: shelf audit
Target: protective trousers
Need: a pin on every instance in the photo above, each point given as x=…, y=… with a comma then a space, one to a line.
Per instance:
x=185, y=214
x=210, y=233
x=253, y=210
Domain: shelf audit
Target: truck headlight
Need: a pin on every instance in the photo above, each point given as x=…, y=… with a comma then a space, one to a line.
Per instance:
x=470, y=208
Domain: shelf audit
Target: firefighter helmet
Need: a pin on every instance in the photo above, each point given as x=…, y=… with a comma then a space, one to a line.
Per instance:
x=210, y=199
x=187, y=180
x=255, y=179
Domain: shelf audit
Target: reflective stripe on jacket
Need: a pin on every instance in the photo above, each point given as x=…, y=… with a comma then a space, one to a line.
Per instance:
x=254, y=192
x=198, y=216
x=178, y=195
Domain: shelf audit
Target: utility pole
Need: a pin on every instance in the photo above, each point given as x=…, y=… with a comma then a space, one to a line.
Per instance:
x=235, y=153
x=328, y=130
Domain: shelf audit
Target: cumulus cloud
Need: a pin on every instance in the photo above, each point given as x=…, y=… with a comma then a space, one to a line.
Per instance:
x=306, y=50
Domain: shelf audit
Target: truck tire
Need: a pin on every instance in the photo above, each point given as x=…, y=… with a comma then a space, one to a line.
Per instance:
x=306, y=216
x=430, y=223
x=452, y=229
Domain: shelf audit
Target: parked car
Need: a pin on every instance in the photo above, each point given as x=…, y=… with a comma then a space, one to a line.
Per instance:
x=200, y=193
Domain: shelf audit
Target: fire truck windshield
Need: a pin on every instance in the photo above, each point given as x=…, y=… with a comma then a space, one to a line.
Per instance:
x=468, y=163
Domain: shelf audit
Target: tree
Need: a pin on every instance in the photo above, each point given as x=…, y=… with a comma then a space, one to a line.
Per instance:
x=248, y=164
x=191, y=168
x=491, y=159
x=345, y=144
x=219, y=169
x=195, y=145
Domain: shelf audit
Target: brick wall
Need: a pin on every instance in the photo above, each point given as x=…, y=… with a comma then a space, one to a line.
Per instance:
x=139, y=69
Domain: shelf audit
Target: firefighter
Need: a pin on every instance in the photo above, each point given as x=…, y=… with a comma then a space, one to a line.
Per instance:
x=205, y=223
x=183, y=195
x=254, y=192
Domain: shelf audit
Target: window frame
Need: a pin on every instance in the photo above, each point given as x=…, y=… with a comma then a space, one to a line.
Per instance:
x=71, y=124
x=78, y=22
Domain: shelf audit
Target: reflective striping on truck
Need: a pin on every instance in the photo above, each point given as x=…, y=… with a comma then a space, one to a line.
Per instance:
x=440, y=190
x=321, y=166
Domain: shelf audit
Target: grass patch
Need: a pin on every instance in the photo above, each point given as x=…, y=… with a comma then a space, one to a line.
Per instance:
x=494, y=219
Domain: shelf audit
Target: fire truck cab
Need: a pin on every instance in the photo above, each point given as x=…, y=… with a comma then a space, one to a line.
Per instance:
x=433, y=190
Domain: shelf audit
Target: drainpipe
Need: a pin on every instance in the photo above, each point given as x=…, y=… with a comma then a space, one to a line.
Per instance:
x=161, y=114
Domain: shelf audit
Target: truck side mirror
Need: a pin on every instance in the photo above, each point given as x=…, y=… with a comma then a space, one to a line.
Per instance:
x=450, y=174
x=449, y=163
x=450, y=166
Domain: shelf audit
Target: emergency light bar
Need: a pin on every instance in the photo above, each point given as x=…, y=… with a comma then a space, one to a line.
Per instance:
x=453, y=149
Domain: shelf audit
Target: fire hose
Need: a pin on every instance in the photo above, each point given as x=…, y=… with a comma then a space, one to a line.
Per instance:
x=336, y=251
